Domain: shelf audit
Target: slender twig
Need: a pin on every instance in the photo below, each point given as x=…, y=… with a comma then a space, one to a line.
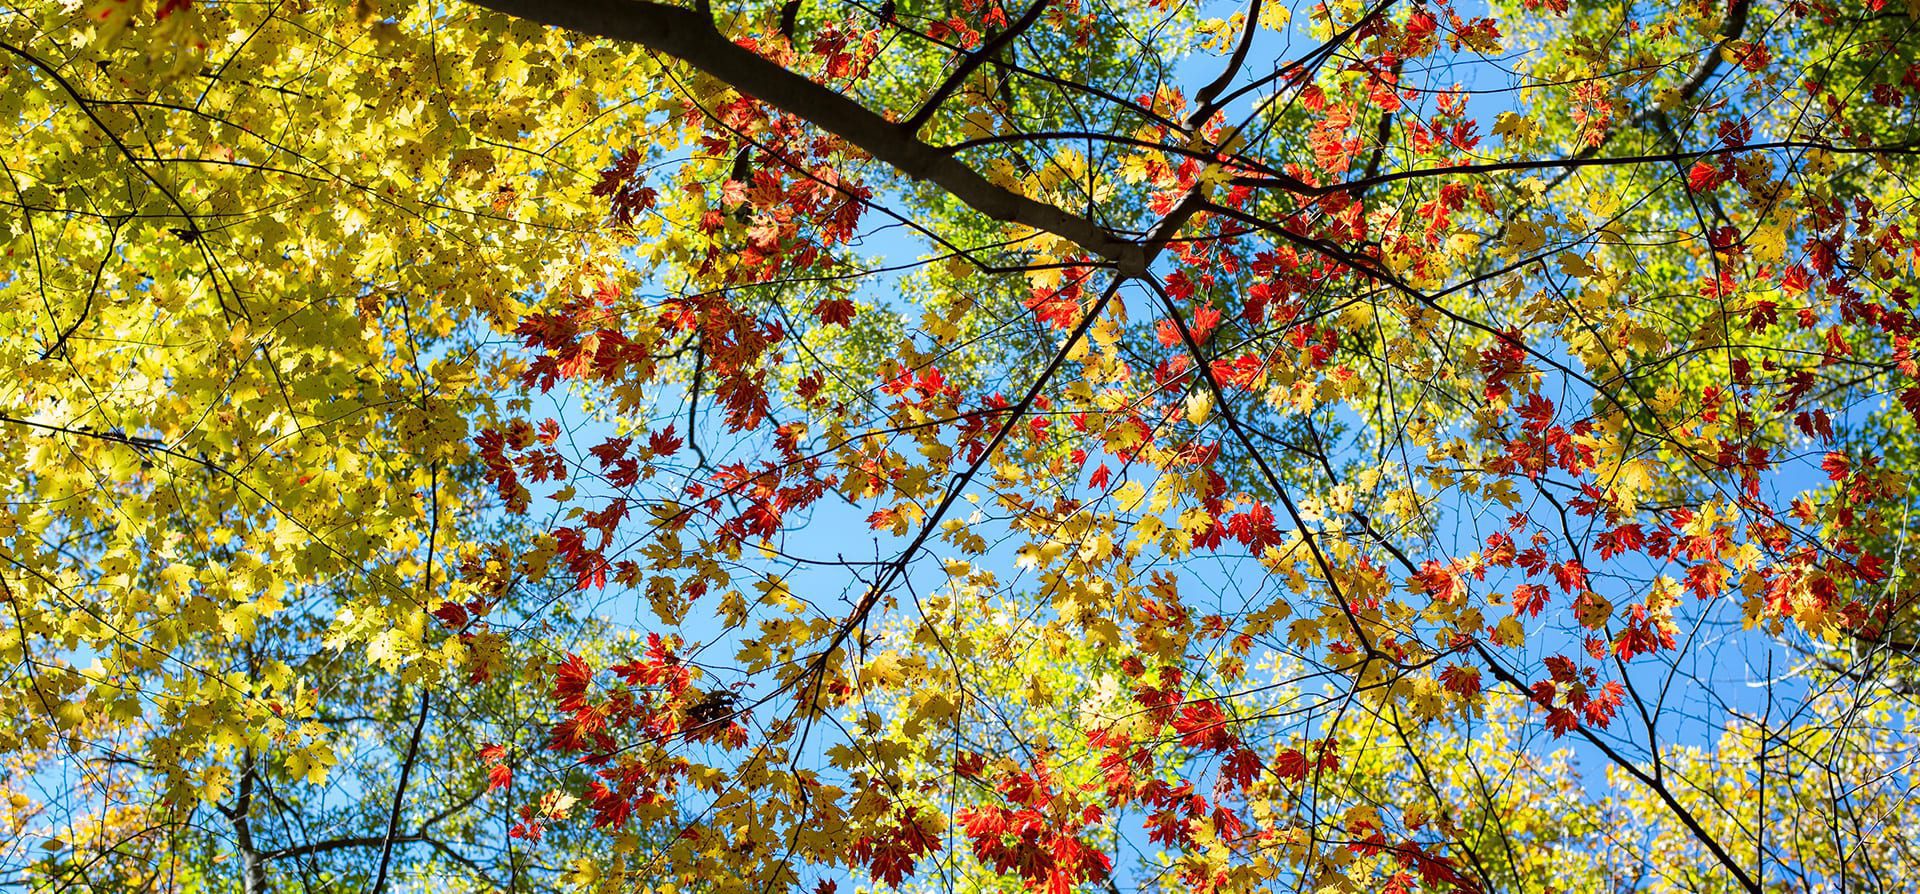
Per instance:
x=392, y=835
x=972, y=63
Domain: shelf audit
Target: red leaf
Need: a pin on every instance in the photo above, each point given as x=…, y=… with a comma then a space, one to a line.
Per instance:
x=1529, y=599
x=1619, y=540
x=1795, y=280
x=452, y=614
x=499, y=775
x=1241, y=767
x=1500, y=550
x=891, y=855
x=1290, y=765
x=1462, y=680
x=1100, y=477
x=1203, y=725
x=1570, y=575
x=1601, y=708
x=1702, y=176
x=834, y=311
x=663, y=442
x=570, y=679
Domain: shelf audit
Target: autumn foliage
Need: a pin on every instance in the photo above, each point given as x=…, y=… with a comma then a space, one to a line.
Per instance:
x=1062, y=447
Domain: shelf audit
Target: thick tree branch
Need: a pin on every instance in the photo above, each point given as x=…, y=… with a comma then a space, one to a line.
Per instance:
x=691, y=38
x=1204, y=104
x=1710, y=59
x=252, y=867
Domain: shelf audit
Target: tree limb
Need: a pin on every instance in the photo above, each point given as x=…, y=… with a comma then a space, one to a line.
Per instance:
x=691, y=38
x=334, y=844
x=1205, y=106
x=400, y=791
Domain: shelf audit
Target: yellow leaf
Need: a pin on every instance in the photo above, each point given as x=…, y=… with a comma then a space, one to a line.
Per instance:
x=1768, y=244
x=1514, y=127
x=1572, y=264
x=1275, y=16
x=1525, y=236
x=1199, y=406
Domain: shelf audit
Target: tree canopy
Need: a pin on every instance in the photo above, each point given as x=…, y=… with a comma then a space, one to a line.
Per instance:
x=1045, y=446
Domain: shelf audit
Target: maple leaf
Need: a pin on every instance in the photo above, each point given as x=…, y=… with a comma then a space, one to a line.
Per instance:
x=570, y=680
x=1619, y=540
x=664, y=442
x=1204, y=725
x=834, y=311
x=891, y=856
x=1703, y=176
x=1571, y=575
x=1530, y=599
x=452, y=614
x=1464, y=681
x=1291, y=765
